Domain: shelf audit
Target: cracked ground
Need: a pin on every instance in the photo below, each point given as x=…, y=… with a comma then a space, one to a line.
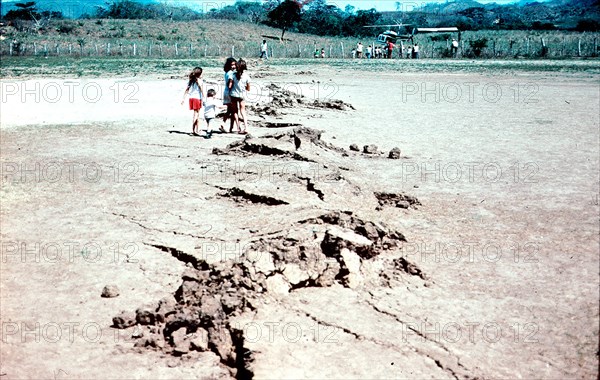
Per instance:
x=285, y=254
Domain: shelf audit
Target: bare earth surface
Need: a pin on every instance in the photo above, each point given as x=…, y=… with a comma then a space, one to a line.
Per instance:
x=278, y=256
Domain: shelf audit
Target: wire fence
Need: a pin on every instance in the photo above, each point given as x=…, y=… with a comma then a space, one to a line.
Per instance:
x=528, y=47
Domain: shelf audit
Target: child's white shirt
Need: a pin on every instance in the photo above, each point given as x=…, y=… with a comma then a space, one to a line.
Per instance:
x=210, y=108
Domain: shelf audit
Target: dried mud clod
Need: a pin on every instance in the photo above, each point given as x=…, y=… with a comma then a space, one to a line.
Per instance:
x=398, y=268
x=396, y=200
x=285, y=144
x=331, y=248
x=241, y=196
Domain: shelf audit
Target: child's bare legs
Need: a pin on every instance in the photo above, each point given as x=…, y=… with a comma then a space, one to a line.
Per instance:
x=243, y=114
x=195, y=122
x=234, y=117
x=231, y=111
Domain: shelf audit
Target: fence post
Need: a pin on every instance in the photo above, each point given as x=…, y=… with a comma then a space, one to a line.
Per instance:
x=57, y=49
x=70, y=49
x=544, y=48
x=595, y=52
x=96, y=47
x=10, y=49
x=191, y=50
x=176, y=50
x=205, y=49
x=579, y=47
x=160, y=50
x=150, y=49
x=494, y=47
x=45, y=50
x=233, y=51
x=108, y=48
x=34, y=49
x=527, y=45
x=343, y=55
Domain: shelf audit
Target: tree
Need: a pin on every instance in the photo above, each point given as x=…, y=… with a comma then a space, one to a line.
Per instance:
x=588, y=25
x=285, y=15
x=24, y=11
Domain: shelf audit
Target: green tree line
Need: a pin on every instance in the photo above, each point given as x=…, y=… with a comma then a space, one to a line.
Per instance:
x=319, y=18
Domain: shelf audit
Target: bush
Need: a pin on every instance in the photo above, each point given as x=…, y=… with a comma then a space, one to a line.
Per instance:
x=65, y=28
x=478, y=45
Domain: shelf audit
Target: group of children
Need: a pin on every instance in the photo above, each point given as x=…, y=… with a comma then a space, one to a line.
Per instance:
x=237, y=83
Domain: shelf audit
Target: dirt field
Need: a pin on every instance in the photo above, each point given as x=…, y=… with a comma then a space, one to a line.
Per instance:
x=276, y=256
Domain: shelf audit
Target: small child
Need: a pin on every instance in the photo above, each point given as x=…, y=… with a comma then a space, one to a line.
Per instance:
x=195, y=89
x=210, y=112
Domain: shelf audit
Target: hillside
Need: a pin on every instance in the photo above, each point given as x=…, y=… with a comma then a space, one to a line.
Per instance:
x=206, y=35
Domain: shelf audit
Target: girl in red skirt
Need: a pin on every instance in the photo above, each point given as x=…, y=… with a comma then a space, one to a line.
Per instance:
x=195, y=89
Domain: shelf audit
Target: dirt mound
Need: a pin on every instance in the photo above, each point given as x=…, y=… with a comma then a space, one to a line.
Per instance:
x=282, y=98
x=396, y=200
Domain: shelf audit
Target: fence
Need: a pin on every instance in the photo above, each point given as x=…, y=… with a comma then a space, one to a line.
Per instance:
x=143, y=49
x=556, y=46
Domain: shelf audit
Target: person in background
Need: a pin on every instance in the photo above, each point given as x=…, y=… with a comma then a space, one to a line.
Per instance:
x=359, y=50
x=369, y=51
x=322, y=52
x=416, y=51
x=264, y=50
x=390, y=49
x=454, y=48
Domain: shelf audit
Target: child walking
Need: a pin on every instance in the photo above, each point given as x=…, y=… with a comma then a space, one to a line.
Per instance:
x=210, y=112
x=239, y=85
x=195, y=89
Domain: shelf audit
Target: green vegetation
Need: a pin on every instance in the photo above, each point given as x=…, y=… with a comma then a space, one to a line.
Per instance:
x=28, y=67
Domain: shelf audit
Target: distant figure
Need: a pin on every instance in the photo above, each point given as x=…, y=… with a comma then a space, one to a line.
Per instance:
x=264, y=50
x=369, y=52
x=454, y=48
x=409, y=52
x=195, y=90
x=353, y=52
x=390, y=49
x=359, y=50
x=416, y=51
x=16, y=46
x=317, y=53
x=322, y=53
